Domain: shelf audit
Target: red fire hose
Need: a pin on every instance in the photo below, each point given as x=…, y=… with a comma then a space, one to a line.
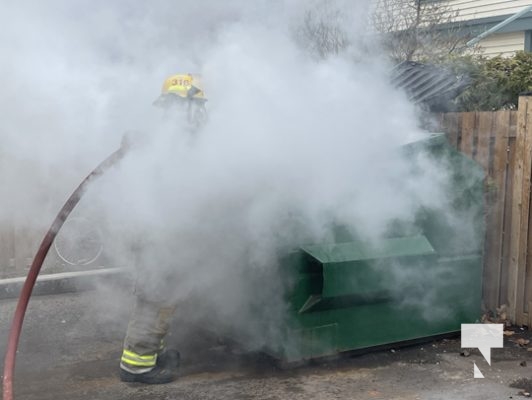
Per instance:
x=24, y=298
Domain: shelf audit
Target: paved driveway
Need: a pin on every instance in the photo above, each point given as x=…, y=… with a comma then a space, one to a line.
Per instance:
x=71, y=346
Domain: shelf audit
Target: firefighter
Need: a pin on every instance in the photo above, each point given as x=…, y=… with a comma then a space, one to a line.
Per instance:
x=183, y=92
x=145, y=357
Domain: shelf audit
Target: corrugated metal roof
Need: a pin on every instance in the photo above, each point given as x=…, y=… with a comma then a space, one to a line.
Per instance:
x=428, y=84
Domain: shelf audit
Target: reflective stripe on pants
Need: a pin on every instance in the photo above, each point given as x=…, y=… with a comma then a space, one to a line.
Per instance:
x=147, y=328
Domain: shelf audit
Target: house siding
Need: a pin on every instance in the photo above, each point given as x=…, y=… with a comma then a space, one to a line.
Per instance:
x=477, y=9
x=505, y=44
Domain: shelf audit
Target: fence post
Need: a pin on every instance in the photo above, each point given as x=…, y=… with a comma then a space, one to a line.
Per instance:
x=520, y=212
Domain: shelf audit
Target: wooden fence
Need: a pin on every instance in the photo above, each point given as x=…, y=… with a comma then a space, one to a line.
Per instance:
x=502, y=143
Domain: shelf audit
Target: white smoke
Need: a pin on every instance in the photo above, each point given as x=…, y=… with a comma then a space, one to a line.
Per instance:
x=292, y=144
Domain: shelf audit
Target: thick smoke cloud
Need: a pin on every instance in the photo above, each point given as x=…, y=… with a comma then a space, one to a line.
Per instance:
x=292, y=143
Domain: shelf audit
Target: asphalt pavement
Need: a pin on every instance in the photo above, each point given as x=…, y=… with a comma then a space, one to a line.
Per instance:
x=71, y=345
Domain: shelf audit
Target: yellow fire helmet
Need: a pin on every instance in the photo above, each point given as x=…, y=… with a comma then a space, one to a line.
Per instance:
x=185, y=86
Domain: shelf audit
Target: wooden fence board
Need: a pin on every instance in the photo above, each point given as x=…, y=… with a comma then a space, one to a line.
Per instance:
x=452, y=124
x=481, y=153
x=520, y=215
x=508, y=207
x=468, y=131
x=485, y=126
x=527, y=270
x=526, y=273
x=496, y=190
x=525, y=114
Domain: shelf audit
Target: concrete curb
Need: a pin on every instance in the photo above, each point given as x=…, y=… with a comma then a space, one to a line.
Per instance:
x=64, y=282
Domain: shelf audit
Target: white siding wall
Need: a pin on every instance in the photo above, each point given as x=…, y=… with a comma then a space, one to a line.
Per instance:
x=505, y=44
x=475, y=9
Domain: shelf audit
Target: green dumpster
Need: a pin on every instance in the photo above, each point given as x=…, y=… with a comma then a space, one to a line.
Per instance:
x=422, y=279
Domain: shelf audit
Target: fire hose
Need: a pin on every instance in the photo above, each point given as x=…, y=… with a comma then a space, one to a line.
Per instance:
x=29, y=283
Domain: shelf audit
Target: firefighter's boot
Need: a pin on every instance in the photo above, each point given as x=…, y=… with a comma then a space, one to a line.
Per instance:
x=158, y=375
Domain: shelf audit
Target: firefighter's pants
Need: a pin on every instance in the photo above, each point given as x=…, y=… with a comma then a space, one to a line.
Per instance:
x=146, y=331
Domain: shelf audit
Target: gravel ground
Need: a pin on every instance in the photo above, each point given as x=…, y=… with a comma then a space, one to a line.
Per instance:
x=71, y=345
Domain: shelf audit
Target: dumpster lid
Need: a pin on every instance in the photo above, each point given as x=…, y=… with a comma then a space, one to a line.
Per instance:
x=385, y=248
